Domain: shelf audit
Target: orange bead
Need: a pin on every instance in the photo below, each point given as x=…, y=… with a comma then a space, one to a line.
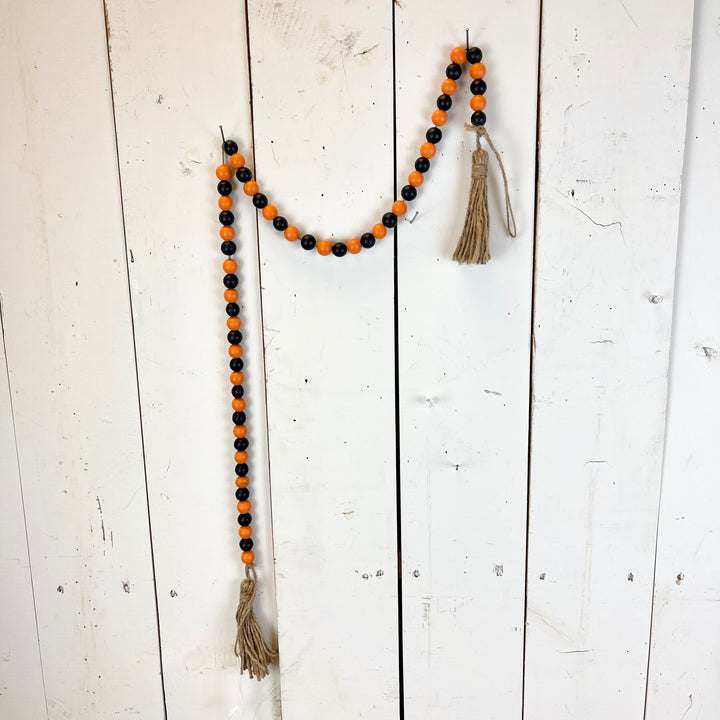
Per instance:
x=245, y=532
x=324, y=247
x=225, y=202
x=439, y=117
x=239, y=431
x=238, y=404
x=229, y=266
x=428, y=150
x=291, y=233
x=247, y=557
x=415, y=178
x=458, y=55
x=241, y=456
x=379, y=231
x=251, y=188
x=235, y=351
x=231, y=295
x=243, y=506
x=237, y=378
x=354, y=246
x=269, y=212
x=234, y=323
x=226, y=232
x=237, y=161
x=241, y=482
x=477, y=71
x=223, y=172
x=448, y=86
x=478, y=102
x=399, y=208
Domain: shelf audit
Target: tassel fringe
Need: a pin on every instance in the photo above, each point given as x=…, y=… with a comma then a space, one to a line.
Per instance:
x=473, y=244
x=250, y=646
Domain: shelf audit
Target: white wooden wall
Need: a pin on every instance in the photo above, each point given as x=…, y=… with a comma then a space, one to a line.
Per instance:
x=494, y=489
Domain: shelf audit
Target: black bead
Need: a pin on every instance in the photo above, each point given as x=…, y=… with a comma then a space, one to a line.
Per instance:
x=444, y=102
x=339, y=249
x=259, y=200
x=478, y=118
x=241, y=469
x=422, y=164
x=307, y=242
x=478, y=87
x=243, y=174
x=224, y=187
x=241, y=443
x=408, y=193
x=238, y=418
x=280, y=223
x=230, y=281
x=236, y=364
x=226, y=217
x=434, y=135
x=246, y=544
x=244, y=519
x=389, y=220
x=234, y=337
x=230, y=147
x=242, y=494
x=474, y=55
x=367, y=240
x=237, y=391
x=453, y=71
x=228, y=248
x=232, y=309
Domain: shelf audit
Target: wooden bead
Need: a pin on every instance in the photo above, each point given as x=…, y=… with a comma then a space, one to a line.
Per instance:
x=477, y=71
x=457, y=55
x=415, y=178
x=240, y=431
x=237, y=378
x=291, y=233
x=478, y=102
x=231, y=295
x=399, y=208
x=242, y=482
x=229, y=266
x=324, y=247
x=246, y=531
x=251, y=188
x=428, y=150
x=439, y=117
x=354, y=246
x=225, y=202
x=448, y=86
x=237, y=161
x=243, y=506
x=234, y=323
x=269, y=212
x=235, y=351
x=223, y=172
x=241, y=456
x=227, y=232
x=379, y=231
x=247, y=557
x=238, y=404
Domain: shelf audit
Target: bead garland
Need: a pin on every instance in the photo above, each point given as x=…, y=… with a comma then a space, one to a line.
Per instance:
x=250, y=646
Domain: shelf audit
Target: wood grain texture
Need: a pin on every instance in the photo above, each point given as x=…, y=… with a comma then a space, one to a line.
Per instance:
x=322, y=107
x=176, y=77
x=69, y=348
x=685, y=648
x=614, y=83
x=464, y=370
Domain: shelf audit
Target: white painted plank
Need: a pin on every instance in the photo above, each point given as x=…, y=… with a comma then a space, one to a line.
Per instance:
x=614, y=84
x=70, y=356
x=322, y=101
x=21, y=683
x=464, y=370
x=176, y=76
x=684, y=677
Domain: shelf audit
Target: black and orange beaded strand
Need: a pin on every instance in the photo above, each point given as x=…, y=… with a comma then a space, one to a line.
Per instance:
x=458, y=57
x=250, y=646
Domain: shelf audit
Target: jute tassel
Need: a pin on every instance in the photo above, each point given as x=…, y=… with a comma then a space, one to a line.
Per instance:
x=473, y=244
x=250, y=645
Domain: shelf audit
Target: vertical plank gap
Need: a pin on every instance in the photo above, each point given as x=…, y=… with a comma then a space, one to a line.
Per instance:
x=135, y=356
x=22, y=502
x=532, y=352
x=396, y=351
